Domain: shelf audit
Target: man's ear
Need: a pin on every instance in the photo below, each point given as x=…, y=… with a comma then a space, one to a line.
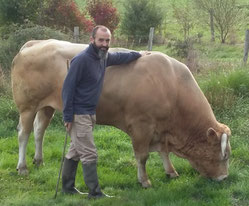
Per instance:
x=212, y=136
x=91, y=39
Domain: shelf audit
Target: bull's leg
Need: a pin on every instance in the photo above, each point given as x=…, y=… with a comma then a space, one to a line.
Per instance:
x=42, y=120
x=141, y=149
x=141, y=158
x=25, y=126
x=169, y=168
x=141, y=133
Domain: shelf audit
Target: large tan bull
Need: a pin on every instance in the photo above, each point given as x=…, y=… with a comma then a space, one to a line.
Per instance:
x=155, y=100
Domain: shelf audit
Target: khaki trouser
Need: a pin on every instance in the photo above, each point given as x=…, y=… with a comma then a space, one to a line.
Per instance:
x=82, y=145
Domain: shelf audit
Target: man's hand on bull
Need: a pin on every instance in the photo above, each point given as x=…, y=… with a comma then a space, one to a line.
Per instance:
x=144, y=53
x=68, y=126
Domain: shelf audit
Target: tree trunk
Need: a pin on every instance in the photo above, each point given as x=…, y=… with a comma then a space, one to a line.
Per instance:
x=246, y=47
x=212, y=24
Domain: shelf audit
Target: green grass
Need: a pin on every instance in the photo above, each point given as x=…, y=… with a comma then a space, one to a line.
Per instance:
x=221, y=52
x=117, y=171
x=8, y=116
x=223, y=89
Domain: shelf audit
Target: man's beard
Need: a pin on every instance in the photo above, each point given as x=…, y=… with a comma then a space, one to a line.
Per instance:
x=101, y=51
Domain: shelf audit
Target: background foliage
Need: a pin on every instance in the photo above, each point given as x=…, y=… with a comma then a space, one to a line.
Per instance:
x=64, y=15
x=103, y=13
x=17, y=11
x=139, y=16
x=13, y=41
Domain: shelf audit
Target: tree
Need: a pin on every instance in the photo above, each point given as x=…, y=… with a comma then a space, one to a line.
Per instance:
x=139, y=16
x=64, y=14
x=60, y=14
x=17, y=11
x=104, y=13
x=184, y=16
x=207, y=7
x=224, y=13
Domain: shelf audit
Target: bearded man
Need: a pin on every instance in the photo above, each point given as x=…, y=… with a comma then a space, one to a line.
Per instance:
x=80, y=93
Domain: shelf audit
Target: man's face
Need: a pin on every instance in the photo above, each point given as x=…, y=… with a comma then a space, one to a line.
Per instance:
x=102, y=39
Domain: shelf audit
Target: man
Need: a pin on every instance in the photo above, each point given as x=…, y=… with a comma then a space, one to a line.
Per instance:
x=80, y=93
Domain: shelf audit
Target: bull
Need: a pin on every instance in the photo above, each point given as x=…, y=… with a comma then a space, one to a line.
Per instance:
x=155, y=100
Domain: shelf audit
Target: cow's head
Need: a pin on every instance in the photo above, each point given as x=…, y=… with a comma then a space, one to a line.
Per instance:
x=213, y=155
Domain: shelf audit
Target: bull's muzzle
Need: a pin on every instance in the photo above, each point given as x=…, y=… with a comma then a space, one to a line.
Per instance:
x=220, y=178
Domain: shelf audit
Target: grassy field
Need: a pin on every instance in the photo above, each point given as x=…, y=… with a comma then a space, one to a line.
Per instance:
x=117, y=172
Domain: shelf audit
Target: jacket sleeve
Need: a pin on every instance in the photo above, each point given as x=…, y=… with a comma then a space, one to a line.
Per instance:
x=117, y=58
x=69, y=87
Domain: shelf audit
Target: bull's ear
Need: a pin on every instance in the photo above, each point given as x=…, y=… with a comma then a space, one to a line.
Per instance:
x=212, y=136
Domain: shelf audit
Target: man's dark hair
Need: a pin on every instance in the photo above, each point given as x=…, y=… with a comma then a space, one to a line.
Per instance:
x=95, y=29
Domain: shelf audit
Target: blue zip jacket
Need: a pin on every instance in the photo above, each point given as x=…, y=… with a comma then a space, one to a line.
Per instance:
x=82, y=86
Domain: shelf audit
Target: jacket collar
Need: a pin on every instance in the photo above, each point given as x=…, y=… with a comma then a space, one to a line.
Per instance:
x=92, y=51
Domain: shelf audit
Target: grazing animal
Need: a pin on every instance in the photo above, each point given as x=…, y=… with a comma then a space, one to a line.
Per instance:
x=154, y=99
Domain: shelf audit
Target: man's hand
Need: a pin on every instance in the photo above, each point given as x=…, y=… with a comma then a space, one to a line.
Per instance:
x=68, y=126
x=144, y=53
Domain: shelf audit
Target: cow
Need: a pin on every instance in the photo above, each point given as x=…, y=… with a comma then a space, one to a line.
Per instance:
x=155, y=100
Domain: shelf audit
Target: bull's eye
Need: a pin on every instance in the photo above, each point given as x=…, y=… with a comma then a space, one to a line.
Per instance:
x=226, y=156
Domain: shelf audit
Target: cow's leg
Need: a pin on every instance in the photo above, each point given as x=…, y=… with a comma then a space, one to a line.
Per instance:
x=42, y=120
x=25, y=126
x=169, y=168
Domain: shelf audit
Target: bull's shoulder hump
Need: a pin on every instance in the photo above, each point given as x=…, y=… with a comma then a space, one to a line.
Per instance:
x=159, y=56
x=159, y=59
x=119, y=49
x=165, y=57
x=177, y=65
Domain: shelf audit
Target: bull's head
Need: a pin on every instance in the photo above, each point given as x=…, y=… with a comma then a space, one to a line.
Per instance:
x=213, y=156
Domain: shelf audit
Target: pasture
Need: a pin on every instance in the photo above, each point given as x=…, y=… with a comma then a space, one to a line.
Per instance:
x=117, y=165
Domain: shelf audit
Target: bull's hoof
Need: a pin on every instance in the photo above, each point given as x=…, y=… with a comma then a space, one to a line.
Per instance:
x=146, y=184
x=38, y=162
x=172, y=175
x=23, y=171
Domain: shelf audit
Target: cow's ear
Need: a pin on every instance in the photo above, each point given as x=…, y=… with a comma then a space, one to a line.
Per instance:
x=212, y=136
